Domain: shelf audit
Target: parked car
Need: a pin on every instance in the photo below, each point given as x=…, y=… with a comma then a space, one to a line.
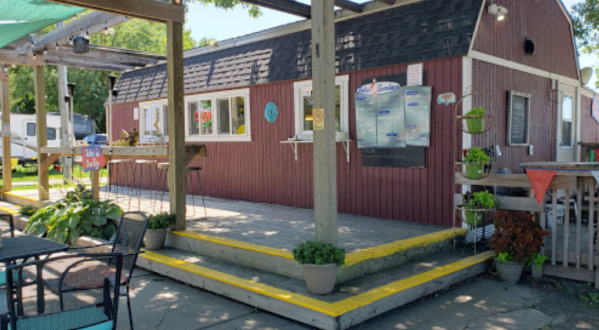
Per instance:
x=95, y=140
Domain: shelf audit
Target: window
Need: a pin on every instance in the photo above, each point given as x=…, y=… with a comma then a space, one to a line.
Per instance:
x=567, y=137
x=51, y=133
x=303, y=108
x=154, y=120
x=30, y=129
x=222, y=116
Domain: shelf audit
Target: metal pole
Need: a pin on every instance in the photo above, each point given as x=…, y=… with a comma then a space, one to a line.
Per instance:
x=72, y=96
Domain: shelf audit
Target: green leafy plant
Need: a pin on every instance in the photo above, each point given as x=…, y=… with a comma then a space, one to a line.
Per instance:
x=475, y=156
x=74, y=216
x=518, y=238
x=161, y=220
x=475, y=125
x=316, y=253
x=27, y=210
x=482, y=200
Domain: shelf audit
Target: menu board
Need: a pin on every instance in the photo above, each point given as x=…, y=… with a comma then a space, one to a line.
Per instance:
x=418, y=115
x=518, y=119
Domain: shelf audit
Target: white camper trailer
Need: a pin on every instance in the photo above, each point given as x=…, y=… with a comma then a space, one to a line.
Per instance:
x=23, y=135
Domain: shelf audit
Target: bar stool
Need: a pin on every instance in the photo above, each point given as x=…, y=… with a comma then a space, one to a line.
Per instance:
x=143, y=163
x=190, y=172
x=164, y=168
x=113, y=166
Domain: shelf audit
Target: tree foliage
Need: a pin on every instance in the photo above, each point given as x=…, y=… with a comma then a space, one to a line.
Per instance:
x=585, y=17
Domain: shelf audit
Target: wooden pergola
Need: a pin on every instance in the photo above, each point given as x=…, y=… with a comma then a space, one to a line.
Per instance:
x=111, y=12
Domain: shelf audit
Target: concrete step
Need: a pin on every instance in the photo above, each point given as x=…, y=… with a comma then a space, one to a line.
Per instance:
x=278, y=261
x=351, y=303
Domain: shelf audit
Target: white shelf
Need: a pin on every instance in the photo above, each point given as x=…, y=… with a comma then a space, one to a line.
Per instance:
x=293, y=144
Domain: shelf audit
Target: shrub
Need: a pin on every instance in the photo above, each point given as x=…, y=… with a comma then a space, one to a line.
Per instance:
x=74, y=216
x=316, y=253
x=517, y=238
x=27, y=210
x=161, y=220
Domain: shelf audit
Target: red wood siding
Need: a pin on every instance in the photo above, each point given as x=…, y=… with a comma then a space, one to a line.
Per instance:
x=542, y=113
x=542, y=21
x=264, y=170
x=589, y=128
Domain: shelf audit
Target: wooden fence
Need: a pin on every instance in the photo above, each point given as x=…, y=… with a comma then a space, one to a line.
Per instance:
x=571, y=249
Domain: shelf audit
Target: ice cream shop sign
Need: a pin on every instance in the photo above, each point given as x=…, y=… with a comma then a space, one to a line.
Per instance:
x=93, y=160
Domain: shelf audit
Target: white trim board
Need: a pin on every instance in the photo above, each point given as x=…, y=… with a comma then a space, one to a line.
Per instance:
x=521, y=67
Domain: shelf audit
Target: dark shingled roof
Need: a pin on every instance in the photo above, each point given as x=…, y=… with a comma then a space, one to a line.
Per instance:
x=420, y=31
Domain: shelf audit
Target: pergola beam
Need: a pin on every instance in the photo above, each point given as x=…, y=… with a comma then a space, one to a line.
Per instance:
x=92, y=23
x=350, y=5
x=285, y=6
x=6, y=145
x=144, y=9
x=17, y=59
x=389, y=2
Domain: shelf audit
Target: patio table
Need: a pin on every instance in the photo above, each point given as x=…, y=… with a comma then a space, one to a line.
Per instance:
x=24, y=247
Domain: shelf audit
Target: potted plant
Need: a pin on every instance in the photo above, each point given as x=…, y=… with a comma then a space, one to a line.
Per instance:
x=156, y=232
x=319, y=262
x=517, y=241
x=475, y=120
x=476, y=206
x=475, y=161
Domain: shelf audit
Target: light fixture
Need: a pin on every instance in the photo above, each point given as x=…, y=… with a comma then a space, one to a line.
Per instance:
x=34, y=56
x=45, y=51
x=32, y=45
x=57, y=47
x=498, y=11
x=81, y=45
x=71, y=40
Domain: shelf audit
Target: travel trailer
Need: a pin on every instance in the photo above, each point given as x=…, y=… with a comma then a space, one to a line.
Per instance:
x=23, y=133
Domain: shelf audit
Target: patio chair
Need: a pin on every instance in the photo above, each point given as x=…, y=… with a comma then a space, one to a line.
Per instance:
x=94, y=305
x=128, y=239
x=11, y=223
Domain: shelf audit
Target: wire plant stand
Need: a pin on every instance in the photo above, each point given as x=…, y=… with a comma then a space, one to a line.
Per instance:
x=481, y=129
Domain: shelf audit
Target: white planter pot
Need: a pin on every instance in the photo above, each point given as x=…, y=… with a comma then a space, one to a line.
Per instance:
x=155, y=238
x=320, y=279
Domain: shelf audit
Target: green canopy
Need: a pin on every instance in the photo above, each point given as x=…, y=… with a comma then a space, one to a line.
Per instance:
x=22, y=17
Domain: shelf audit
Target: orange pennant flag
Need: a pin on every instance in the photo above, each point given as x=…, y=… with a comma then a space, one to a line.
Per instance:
x=540, y=180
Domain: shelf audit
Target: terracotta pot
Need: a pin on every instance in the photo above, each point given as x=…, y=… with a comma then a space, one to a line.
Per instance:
x=155, y=238
x=320, y=279
x=508, y=272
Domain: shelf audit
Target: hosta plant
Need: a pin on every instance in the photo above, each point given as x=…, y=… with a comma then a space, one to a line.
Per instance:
x=74, y=216
x=518, y=238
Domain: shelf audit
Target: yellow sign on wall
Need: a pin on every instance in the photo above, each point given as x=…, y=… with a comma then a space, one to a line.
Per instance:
x=318, y=115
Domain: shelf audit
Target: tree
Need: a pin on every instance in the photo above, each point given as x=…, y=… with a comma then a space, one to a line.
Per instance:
x=253, y=11
x=585, y=17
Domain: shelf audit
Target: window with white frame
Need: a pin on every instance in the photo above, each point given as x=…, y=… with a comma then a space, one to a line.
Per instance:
x=303, y=108
x=153, y=120
x=221, y=116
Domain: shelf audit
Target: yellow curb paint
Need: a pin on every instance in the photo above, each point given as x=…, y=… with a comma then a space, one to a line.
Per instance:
x=22, y=197
x=403, y=245
x=333, y=309
x=7, y=210
x=351, y=258
x=263, y=289
x=237, y=244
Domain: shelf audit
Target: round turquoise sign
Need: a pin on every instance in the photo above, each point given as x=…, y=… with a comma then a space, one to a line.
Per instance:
x=271, y=113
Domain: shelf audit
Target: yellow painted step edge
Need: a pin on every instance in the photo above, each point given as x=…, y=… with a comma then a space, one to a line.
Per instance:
x=403, y=245
x=351, y=258
x=332, y=309
x=20, y=196
x=8, y=210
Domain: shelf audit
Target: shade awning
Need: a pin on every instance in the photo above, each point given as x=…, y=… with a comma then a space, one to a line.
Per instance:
x=22, y=17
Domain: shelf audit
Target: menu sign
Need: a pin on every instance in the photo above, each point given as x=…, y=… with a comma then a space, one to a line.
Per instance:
x=418, y=115
x=518, y=119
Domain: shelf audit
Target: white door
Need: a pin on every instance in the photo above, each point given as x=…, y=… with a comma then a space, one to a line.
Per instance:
x=29, y=139
x=566, y=124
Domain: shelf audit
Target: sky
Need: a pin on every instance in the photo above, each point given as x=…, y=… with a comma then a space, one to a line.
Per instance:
x=214, y=23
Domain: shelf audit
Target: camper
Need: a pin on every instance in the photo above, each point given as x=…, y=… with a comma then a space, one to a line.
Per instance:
x=23, y=133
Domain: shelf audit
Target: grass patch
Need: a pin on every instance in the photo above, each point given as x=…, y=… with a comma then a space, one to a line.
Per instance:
x=28, y=173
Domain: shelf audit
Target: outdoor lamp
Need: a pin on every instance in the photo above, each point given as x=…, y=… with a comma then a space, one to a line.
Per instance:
x=81, y=45
x=71, y=87
x=111, y=81
x=498, y=11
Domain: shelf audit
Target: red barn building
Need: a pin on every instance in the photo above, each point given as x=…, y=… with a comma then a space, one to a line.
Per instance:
x=461, y=43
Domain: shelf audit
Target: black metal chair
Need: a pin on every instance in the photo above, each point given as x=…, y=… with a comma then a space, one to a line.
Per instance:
x=93, y=305
x=11, y=222
x=128, y=240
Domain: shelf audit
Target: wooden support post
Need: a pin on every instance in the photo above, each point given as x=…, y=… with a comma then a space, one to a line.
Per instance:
x=6, y=151
x=95, y=179
x=42, y=138
x=177, y=174
x=323, y=91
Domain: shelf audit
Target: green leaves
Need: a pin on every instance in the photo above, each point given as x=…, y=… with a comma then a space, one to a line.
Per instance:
x=161, y=220
x=73, y=217
x=476, y=155
x=316, y=253
x=518, y=238
x=479, y=200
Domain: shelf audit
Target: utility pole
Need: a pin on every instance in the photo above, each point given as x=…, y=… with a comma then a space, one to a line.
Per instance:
x=65, y=161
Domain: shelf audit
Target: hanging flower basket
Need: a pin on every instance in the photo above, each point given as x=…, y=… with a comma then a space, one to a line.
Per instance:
x=476, y=124
x=475, y=217
x=474, y=171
